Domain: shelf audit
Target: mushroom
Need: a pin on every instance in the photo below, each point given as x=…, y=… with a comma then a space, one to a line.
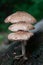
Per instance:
x=22, y=24
x=20, y=16
x=21, y=36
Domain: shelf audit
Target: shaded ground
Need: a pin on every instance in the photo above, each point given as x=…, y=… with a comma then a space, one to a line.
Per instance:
x=35, y=59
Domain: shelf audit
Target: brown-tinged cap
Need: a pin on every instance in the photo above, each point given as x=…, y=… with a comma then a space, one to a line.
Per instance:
x=20, y=35
x=21, y=26
x=20, y=16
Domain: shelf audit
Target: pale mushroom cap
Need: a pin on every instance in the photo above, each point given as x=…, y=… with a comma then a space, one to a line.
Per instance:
x=20, y=16
x=20, y=35
x=21, y=26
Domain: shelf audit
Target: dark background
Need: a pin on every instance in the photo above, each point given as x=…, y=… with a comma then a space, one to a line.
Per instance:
x=33, y=7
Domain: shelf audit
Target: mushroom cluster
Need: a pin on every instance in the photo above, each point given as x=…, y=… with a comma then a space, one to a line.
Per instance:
x=21, y=25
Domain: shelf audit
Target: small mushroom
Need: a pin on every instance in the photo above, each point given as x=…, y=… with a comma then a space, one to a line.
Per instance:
x=21, y=26
x=21, y=36
x=20, y=16
x=22, y=21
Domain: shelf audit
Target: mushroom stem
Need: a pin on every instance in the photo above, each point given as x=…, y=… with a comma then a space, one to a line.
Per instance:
x=23, y=49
